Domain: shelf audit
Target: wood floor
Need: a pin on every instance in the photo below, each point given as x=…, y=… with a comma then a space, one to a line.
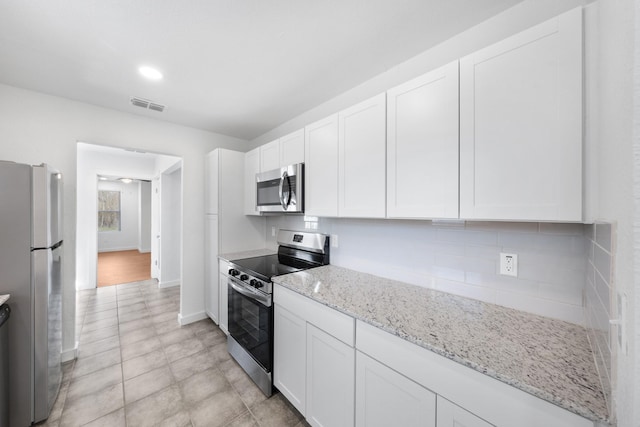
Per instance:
x=115, y=268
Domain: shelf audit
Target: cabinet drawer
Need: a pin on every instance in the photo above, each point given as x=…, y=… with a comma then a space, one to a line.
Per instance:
x=328, y=319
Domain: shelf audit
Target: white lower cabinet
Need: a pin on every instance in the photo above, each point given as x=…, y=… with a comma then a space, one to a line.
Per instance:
x=451, y=415
x=330, y=380
x=223, y=298
x=386, y=398
x=290, y=356
x=314, y=359
x=211, y=291
x=341, y=372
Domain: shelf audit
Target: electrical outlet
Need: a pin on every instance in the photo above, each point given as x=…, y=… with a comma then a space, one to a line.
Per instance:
x=334, y=240
x=273, y=231
x=509, y=264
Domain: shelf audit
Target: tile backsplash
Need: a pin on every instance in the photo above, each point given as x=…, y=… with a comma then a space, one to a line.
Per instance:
x=599, y=297
x=565, y=271
x=463, y=258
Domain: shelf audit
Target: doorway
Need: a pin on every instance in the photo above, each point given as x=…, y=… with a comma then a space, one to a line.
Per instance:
x=124, y=230
x=95, y=161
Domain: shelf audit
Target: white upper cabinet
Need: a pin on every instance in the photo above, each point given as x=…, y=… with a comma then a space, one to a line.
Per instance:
x=362, y=159
x=521, y=125
x=422, y=146
x=284, y=151
x=292, y=148
x=321, y=168
x=251, y=168
x=270, y=156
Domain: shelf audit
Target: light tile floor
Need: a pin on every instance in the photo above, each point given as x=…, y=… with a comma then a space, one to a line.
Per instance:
x=137, y=367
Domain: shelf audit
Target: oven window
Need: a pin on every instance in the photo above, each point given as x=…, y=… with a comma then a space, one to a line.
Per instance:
x=251, y=325
x=268, y=192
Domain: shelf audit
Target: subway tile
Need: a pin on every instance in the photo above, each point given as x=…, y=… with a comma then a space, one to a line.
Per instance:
x=463, y=237
x=603, y=235
x=602, y=263
x=561, y=228
x=523, y=227
x=481, y=293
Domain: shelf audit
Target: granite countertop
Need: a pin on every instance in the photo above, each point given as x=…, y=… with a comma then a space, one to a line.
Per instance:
x=246, y=254
x=4, y=298
x=547, y=358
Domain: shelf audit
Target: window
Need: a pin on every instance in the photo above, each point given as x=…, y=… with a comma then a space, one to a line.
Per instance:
x=108, y=210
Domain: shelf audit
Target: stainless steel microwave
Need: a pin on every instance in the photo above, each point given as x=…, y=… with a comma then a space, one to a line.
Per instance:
x=281, y=190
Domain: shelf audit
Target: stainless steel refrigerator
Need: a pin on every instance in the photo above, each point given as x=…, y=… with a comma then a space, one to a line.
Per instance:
x=31, y=272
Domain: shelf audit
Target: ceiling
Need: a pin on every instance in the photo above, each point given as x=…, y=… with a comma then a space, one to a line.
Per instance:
x=235, y=67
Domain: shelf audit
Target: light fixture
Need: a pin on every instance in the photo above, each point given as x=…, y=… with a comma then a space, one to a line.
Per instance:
x=102, y=178
x=150, y=73
x=126, y=180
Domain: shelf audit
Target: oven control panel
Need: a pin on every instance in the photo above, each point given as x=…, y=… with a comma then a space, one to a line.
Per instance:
x=250, y=280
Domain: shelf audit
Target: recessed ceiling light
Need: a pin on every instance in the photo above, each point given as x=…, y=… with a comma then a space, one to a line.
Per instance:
x=150, y=73
x=103, y=178
x=126, y=180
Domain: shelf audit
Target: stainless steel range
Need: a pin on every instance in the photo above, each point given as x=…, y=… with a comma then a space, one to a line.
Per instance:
x=250, y=290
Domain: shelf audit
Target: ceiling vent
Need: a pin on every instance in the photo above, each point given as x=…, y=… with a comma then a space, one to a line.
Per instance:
x=145, y=103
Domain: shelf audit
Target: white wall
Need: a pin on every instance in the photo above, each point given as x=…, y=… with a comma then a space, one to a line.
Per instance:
x=127, y=237
x=144, y=217
x=39, y=128
x=170, y=233
x=619, y=180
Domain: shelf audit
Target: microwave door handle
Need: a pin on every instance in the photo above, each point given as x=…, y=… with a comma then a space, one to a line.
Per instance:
x=285, y=197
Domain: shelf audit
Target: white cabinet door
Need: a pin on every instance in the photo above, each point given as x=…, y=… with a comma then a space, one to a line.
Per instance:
x=386, y=398
x=422, y=146
x=251, y=168
x=292, y=148
x=211, y=182
x=270, y=156
x=211, y=261
x=321, y=167
x=451, y=415
x=330, y=380
x=290, y=356
x=521, y=125
x=362, y=159
x=224, y=307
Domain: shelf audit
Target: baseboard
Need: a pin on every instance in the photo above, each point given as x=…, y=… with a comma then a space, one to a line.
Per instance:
x=191, y=318
x=169, y=284
x=134, y=248
x=68, y=355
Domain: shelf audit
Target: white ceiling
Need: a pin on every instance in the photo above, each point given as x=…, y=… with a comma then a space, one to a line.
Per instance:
x=236, y=67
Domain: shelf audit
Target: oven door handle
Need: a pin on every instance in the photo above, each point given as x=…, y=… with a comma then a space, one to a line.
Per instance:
x=285, y=195
x=262, y=299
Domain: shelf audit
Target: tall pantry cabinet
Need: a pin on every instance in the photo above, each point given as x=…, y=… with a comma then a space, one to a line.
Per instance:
x=227, y=228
